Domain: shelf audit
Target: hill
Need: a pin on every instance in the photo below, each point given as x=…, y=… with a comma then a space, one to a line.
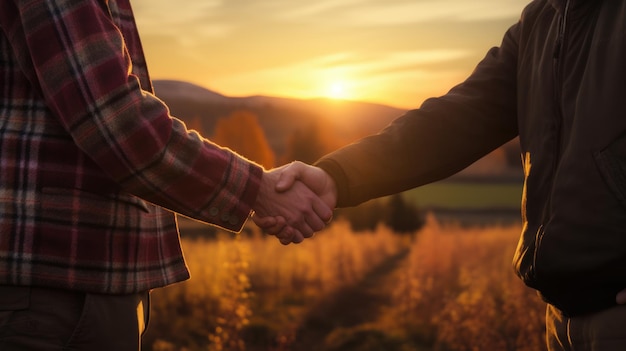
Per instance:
x=200, y=108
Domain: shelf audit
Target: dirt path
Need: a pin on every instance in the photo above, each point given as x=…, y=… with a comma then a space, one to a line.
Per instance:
x=350, y=307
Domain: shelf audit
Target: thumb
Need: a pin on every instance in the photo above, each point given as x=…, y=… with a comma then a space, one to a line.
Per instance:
x=288, y=177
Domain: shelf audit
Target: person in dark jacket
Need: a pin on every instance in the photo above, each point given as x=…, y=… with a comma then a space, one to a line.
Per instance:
x=558, y=81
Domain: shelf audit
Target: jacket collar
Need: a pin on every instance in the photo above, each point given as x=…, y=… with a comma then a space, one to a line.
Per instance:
x=559, y=5
x=575, y=6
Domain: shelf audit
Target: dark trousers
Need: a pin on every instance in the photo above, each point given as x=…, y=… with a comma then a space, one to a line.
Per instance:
x=601, y=331
x=41, y=319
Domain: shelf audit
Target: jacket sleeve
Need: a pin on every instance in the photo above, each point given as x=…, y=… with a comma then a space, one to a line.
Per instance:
x=77, y=59
x=443, y=136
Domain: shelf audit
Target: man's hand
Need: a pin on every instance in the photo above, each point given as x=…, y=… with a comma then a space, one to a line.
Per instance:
x=315, y=178
x=291, y=214
x=292, y=177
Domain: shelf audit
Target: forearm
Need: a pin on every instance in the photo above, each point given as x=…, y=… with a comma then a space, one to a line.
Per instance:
x=410, y=153
x=78, y=64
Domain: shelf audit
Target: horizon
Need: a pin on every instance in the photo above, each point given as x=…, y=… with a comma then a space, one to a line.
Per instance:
x=168, y=92
x=391, y=52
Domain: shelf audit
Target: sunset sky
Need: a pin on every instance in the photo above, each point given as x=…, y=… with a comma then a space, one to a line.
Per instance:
x=395, y=52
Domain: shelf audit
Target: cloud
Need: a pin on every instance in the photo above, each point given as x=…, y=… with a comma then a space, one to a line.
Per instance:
x=219, y=18
x=394, y=12
x=424, y=11
x=305, y=77
x=194, y=18
x=294, y=10
x=295, y=47
x=418, y=58
x=360, y=65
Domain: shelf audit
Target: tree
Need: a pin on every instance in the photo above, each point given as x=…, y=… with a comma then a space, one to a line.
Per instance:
x=195, y=123
x=241, y=132
x=403, y=216
x=364, y=217
x=395, y=212
x=310, y=144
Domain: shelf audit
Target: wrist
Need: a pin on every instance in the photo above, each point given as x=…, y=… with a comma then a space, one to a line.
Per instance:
x=338, y=184
x=262, y=193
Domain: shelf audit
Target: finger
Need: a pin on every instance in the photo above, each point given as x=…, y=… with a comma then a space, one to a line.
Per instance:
x=322, y=210
x=302, y=227
x=286, y=234
x=297, y=239
x=270, y=225
x=280, y=224
x=621, y=297
x=314, y=222
x=318, y=216
x=264, y=222
x=273, y=230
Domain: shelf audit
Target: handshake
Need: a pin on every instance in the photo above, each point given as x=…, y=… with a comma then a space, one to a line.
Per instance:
x=294, y=202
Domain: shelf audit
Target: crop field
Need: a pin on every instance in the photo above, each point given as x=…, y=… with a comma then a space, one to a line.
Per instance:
x=446, y=288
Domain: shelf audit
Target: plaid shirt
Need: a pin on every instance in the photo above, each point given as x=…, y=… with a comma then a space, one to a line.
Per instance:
x=90, y=158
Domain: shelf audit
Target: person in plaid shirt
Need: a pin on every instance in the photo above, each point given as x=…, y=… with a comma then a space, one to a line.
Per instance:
x=92, y=170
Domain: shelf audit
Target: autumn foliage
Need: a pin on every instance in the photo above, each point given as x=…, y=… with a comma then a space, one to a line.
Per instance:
x=242, y=133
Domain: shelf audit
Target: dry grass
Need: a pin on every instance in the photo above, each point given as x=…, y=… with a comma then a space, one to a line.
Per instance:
x=455, y=291
x=459, y=292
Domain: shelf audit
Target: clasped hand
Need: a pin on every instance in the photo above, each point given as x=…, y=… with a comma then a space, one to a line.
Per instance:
x=294, y=202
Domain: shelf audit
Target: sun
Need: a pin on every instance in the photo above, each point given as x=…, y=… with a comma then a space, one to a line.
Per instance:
x=337, y=90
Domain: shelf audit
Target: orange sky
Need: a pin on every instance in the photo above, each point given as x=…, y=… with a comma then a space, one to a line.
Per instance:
x=396, y=52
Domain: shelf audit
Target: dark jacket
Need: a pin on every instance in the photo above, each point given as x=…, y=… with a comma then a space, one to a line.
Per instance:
x=558, y=80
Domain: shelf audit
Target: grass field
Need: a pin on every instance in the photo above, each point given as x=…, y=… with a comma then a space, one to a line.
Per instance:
x=445, y=288
x=467, y=195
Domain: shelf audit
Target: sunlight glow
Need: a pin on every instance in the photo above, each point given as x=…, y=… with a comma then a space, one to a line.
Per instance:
x=337, y=90
x=395, y=52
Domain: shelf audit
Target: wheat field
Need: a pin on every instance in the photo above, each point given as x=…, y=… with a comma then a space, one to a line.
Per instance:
x=444, y=288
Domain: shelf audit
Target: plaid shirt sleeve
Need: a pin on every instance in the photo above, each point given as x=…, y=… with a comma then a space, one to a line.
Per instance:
x=78, y=59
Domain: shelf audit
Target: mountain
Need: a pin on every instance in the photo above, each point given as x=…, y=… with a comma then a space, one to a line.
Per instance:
x=174, y=89
x=279, y=117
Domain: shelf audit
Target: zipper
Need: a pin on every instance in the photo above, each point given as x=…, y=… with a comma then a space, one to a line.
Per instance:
x=557, y=72
x=559, y=48
x=561, y=35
